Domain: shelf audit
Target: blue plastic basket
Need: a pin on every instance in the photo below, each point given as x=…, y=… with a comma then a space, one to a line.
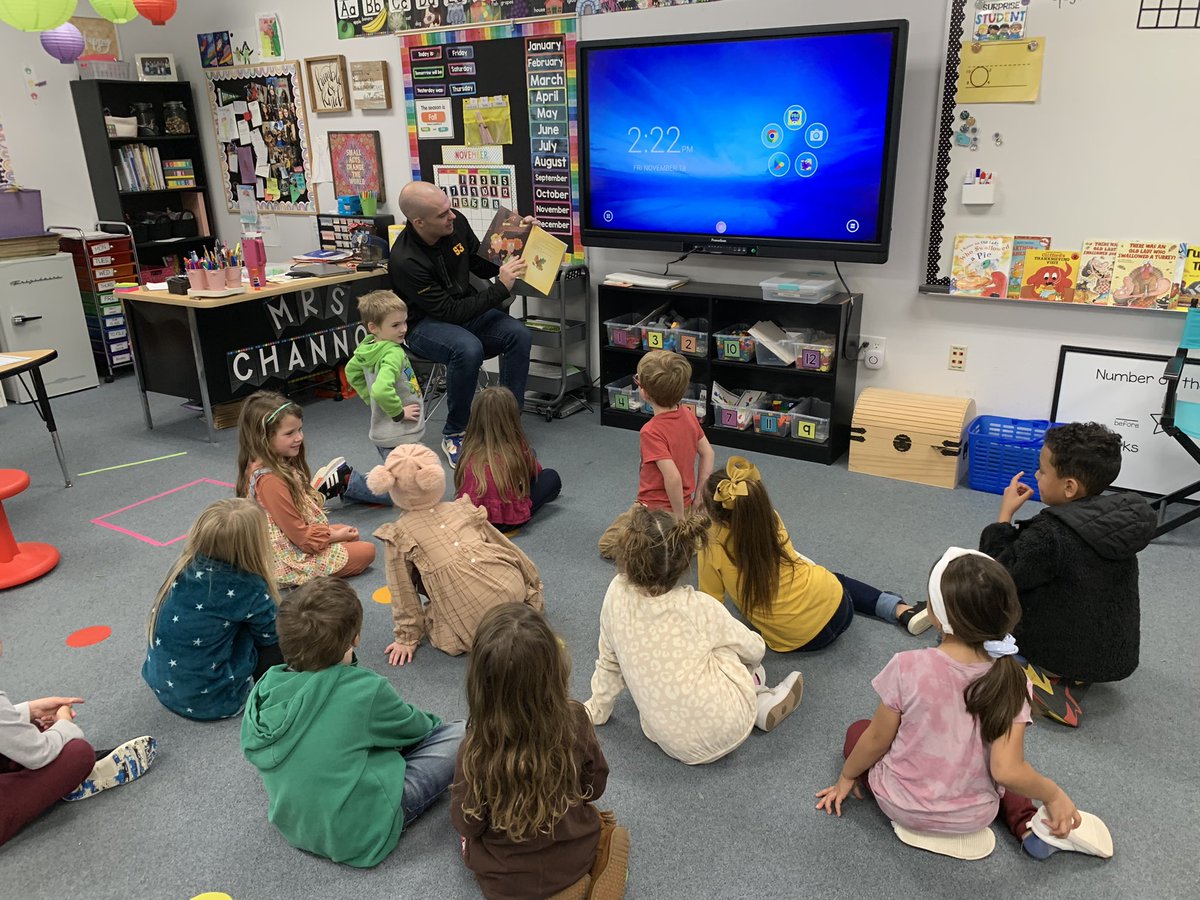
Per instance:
x=999, y=448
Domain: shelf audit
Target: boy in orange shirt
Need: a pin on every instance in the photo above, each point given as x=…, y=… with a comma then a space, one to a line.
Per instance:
x=675, y=454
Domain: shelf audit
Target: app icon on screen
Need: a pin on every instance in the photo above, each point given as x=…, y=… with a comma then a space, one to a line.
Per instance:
x=806, y=164
x=772, y=136
x=721, y=226
x=816, y=135
x=852, y=226
x=778, y=164
x=794, y=117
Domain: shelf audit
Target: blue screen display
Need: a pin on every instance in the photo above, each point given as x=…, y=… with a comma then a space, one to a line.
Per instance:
x=779, y=138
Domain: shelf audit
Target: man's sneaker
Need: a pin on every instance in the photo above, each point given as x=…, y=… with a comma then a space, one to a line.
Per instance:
x=451, y=445
x=126, y=763
x=331, y=479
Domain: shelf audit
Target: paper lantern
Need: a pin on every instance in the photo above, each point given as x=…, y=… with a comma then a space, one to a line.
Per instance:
x=157, y=11
x=36, y=15
x=116, y=11
x=65, y=43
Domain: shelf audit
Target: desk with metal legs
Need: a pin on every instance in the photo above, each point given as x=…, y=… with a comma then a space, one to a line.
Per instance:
x=31, y=361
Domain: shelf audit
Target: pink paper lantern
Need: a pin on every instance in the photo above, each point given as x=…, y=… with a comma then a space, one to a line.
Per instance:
x=157, y=11
x=36, y=15
x=65, y=43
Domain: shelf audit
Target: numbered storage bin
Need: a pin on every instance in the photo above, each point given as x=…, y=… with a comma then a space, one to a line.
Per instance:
x=810, y=420
x=764, y=356
x=737, y=417
x=623, y=395
x=696, y=399
x=773, y=415
x=687, y=336
x=625, y=331
x=735, y=344
x=815, y=352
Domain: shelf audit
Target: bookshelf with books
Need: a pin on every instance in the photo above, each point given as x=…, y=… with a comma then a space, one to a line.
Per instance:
x=155, y=180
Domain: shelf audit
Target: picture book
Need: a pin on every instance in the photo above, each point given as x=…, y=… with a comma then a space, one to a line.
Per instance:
x=1190, y=281
x=505, y=237
x=1093, y=284
x=509, y=236
x=1050, y=275
x=999, y=20
x=980, y=266
x=1144, y=274
x=1022, y=244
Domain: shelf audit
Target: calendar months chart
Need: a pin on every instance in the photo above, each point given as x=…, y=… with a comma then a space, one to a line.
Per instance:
x=477, y=191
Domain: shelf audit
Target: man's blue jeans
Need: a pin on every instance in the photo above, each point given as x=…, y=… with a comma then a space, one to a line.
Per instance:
x=463, y=348
x=429, y=768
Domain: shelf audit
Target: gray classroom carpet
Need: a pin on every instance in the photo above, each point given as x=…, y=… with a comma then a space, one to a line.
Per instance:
x=742, y=827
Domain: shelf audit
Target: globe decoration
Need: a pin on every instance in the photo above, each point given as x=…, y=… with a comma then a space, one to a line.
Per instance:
x=116, y=11
x=36, y=15
x=65, y=43
x=157, y=11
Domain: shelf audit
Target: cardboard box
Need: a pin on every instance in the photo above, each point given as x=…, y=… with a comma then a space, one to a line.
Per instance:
x=910, y=437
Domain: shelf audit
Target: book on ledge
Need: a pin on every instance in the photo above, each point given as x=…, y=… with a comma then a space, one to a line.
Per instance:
x=327, y=256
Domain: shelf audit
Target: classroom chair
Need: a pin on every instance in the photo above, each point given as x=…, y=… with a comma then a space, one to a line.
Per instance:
x=23, y=562
x=1181, y=420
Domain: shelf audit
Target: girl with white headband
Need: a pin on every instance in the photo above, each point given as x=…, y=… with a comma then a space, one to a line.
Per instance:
x=944, y=752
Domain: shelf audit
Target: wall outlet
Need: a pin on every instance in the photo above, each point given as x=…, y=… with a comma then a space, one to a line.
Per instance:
x=958, y=358
x=872, y=353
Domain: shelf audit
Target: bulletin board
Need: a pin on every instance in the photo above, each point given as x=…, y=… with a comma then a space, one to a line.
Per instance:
x=492, y=113
x=1101, y=154
x=262, y=135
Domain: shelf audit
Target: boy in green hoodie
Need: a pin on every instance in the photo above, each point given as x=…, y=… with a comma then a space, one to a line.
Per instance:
x=345, y=762
x=380, y=373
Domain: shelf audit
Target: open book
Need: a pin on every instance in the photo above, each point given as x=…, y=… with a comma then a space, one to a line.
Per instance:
x=543, y=252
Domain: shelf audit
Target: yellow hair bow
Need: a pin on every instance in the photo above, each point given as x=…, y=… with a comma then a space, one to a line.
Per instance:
x=739, y=471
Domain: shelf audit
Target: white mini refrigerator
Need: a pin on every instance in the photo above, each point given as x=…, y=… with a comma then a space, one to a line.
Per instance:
x=39, y=308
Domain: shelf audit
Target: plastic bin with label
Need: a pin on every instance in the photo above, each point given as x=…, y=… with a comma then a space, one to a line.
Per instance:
x=798, y=288
x=696, y=399
x=773, y=415
x=624, y=395
x=625, y=331
x=735, y=344
x=733, y=417
x=690, y=337
x=816, y=352
x=812, y=422
x=764, y=357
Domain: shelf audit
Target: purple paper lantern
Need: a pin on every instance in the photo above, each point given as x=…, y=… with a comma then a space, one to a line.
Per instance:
x=65, y=43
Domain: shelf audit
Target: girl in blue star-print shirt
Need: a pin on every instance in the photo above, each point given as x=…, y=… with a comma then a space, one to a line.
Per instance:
x=211, y=632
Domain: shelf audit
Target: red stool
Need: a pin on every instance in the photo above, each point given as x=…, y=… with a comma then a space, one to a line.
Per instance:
x=20, y=563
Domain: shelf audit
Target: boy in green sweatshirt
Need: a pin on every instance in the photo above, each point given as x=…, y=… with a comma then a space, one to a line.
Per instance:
x=380, y=373
x=345, y=762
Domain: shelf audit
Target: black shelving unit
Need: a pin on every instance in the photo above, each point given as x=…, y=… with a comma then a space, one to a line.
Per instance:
x=723, y=306
x=96, y=98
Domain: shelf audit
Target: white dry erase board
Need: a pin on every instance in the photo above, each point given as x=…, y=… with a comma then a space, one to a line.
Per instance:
x=1125, y=392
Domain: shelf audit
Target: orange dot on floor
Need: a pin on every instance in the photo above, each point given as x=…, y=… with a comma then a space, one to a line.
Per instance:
x=85, y=637
x=383, y=595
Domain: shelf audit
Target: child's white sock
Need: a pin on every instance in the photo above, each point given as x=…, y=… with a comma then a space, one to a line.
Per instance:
x=759, y=674
x=778, y=703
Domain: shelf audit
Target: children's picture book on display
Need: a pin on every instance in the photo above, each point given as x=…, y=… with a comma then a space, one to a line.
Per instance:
x=1093, y=284
x=508, y=236
x=1190, y=281
x=1000, y=20
x=981, y=262
x=1050, y=275
x=1022, y=244
x=1144, y=274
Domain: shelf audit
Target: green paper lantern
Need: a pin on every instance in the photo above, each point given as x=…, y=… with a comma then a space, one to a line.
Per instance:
x=36, y=15
x=116, y=11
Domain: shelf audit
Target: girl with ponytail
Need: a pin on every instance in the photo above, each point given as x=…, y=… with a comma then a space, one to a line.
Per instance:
x=945, y=750
x=794, y=603
x=693, y=670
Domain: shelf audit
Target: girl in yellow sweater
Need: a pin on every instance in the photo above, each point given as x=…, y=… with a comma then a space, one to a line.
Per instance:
x=793, y=602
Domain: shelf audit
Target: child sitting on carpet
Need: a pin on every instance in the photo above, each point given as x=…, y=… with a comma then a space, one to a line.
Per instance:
x=44, y=758
x=793, y=602
x=530, y=770
x=692, y=668
x=447, y=551
x=497, y=469
x=347, y=765
x=273, y=472
x=1075, y=566
x=211, y=632
x=946, y=748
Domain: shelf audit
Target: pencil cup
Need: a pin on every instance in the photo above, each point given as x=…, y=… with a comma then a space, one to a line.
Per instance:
x=233, y=277
x=369, y=205
x=216, y=279
x=196, y=279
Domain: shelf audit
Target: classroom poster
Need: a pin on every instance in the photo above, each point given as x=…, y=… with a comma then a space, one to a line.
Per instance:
x=510, y=92
x=1000, y=20
x=99, y=38
x=355, y=157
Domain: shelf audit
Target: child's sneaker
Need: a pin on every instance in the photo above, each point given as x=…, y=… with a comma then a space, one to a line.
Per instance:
x=126, y=763
x=451, y=445
x=611, y=868
x=331, y=479
x=917, y=619
x=780, y=702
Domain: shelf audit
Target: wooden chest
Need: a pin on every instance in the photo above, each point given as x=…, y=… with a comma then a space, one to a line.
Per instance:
x=910, y=437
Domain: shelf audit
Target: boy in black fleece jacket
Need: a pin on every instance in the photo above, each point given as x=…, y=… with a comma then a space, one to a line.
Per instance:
x=1075, y=567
